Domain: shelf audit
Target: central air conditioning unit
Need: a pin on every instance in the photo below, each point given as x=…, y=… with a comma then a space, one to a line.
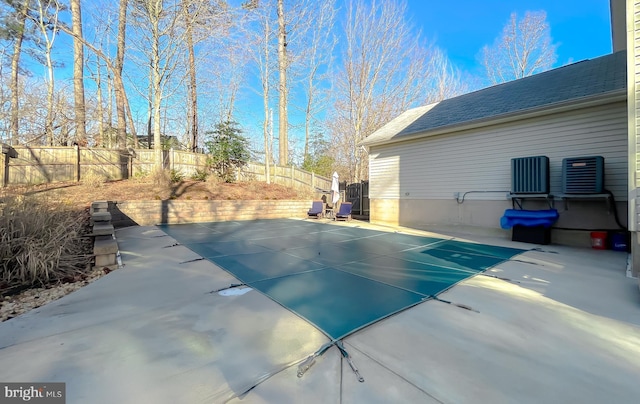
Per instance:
x=530, y=175
x=583, y=175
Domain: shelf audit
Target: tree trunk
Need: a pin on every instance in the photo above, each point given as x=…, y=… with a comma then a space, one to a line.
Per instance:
x=15, y=66
x=48, y=123
x=307, y=114
x=78, y=73
x=150, y=108
x=193, y=93
x=267, y=152
x=265, y=99
x=117, y=76
x=99, y=140
x=157, y=89
x=283, y=120
x=132, y=126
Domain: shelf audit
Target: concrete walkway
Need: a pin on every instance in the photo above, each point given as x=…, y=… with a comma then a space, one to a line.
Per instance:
x=565, y=328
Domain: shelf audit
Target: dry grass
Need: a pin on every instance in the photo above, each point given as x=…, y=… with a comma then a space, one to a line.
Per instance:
x=41, y=242
x=157, y=187
x=93, y=180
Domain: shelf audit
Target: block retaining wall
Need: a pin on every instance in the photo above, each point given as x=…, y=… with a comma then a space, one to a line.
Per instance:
x=146, y=213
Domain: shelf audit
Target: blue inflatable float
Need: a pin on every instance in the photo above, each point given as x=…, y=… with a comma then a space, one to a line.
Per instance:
x=528, y=218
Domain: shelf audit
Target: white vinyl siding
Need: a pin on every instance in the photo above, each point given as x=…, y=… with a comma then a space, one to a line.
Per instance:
x=480, y=159
x=387, y=181
x=634, y=83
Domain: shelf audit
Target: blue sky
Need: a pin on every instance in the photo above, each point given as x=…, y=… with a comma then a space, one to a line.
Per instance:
x=581, y=28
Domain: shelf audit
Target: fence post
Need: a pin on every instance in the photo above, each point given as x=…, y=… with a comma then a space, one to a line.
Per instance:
x=313, y=180
x=9, y=153
x=130, y=166
x=77, y=149
x=292, y=185
x=5, y=164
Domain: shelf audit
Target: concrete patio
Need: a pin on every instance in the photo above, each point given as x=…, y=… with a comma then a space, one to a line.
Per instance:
x=555, y=325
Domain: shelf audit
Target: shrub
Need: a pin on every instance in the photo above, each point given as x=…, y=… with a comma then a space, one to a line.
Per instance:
x=93, y=179
x=140, y=176
x=175, y=175
x=160, y=178
x=200, y=175
x=41, y=242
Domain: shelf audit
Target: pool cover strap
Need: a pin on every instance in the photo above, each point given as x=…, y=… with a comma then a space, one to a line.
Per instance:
x=306, y=364
x=462, y=306
x=233, y=285
x=311, y=359
x=345, y=354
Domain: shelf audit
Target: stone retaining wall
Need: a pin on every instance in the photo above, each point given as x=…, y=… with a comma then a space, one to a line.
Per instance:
x=146, y=213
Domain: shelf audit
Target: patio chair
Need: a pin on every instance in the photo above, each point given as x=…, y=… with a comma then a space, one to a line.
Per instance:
x=344, y=213
x=317, y=210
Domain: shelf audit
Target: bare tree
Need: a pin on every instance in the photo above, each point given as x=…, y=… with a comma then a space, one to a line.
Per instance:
x=283, y=89
x=384, y=72
x=46, y=20
x=36, y=114
x=190, y=17
x=259, y=32
x=78, y=72
x=123, y=109
x=203, y=19
x=229, y=73
x=99, y=138
x=163, y=37
x=95, y=69
x=225, y=45
x=317, y=57
x=267, y=126
x=279, y=36
x=445, y=79
x=15, y=30
x=524, y=48
x=117, y=75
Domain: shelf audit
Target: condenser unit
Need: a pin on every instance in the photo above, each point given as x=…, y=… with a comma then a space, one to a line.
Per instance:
x=583, y=175
x=530, y=175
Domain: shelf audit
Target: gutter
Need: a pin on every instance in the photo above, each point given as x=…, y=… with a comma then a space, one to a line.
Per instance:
x=547, y=109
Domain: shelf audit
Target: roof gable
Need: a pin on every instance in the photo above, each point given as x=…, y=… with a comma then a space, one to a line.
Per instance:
x=581, y=80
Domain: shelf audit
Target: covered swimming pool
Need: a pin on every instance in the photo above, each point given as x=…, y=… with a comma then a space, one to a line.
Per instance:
x=340, y=279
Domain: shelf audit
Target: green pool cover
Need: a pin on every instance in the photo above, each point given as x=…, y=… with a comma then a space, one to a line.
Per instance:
x=340, y=279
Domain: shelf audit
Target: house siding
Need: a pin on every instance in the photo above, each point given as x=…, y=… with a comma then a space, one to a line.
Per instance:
x=480, y=160
x=634, y=105
x=633, y=80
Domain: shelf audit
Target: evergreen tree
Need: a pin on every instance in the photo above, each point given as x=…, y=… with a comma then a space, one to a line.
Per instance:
x=228, y=150
x=319, y=159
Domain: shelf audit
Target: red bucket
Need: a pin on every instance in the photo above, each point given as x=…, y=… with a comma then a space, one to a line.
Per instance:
x=599, y=240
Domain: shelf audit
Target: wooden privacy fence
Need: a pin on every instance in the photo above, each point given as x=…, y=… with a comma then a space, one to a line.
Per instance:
x=43, y=164
x=185, y=162
x=37, y=165
x=289, y=176
x=358, y=195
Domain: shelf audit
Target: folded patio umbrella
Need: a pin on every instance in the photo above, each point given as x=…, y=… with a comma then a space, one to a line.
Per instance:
x=335, y=189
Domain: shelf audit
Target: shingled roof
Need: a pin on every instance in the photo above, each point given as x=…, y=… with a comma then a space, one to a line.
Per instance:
x=575, y=82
